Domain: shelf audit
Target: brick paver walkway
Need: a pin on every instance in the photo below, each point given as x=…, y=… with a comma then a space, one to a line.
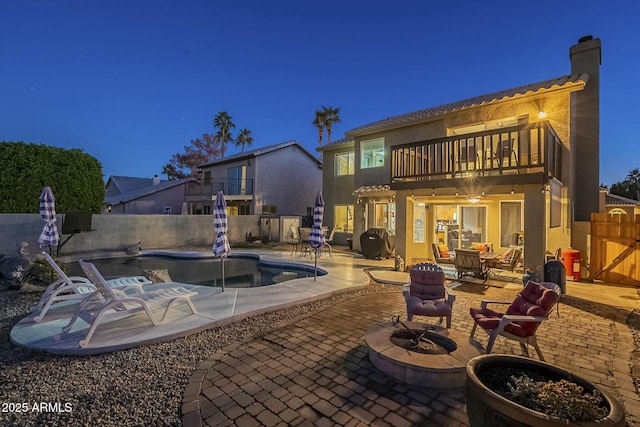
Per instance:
x=316, y=371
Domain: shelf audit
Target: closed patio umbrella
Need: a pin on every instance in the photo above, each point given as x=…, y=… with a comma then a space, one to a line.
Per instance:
x=49, y=236
x=316, y=238
x=221, y=246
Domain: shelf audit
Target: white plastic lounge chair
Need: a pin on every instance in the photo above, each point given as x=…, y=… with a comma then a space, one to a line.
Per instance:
x=116, y=303
x=75, y=287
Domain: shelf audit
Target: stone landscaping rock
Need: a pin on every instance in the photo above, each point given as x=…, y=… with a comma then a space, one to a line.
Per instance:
x=15, y=269
x=158, y=276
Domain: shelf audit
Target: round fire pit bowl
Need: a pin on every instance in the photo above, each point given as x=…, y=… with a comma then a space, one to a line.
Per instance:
x=438, y=360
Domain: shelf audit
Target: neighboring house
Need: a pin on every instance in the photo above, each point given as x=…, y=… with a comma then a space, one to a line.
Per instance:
x=612, y=204
x=280, y=179
x=482, y=169
x=132, y=195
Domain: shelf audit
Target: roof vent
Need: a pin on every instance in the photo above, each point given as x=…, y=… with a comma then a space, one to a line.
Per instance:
x=585, y=39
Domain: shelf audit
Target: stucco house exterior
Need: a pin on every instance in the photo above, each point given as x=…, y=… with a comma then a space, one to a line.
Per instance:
x=280, y=179
x=613, y=205
x=132, y=195
x=515, y=167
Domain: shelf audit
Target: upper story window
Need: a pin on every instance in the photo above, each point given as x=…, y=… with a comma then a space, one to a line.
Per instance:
x=372, y=153
x=238, y=180
x=344, y=164
x=491, y=125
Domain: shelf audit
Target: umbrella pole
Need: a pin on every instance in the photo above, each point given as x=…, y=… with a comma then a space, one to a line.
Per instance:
x=222, y=264
x=315, y=271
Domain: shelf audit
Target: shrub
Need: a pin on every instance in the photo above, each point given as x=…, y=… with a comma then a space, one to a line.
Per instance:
x=74, y=176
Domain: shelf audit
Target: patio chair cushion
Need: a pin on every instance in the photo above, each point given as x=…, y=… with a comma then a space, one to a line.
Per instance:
x=506, y=257
x=533, y=300
x=427, y=293
x=480, y=247
x=444, y=250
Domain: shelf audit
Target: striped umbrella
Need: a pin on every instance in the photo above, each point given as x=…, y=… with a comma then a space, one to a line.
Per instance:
x=49, y=236
x=221, y=247
x=316, y=238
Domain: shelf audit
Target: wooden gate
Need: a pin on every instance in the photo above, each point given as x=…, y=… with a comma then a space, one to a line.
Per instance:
x=615, y=248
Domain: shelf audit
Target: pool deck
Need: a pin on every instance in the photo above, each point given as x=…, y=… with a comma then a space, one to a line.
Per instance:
x=215, y=308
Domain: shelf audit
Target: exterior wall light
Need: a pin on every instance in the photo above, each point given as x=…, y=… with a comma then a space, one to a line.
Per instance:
x=542, y=114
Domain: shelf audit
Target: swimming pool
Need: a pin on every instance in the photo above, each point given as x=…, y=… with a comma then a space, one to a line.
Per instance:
x=240, y=270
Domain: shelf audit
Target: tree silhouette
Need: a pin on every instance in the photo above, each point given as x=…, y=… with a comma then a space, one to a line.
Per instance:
x=244, y=138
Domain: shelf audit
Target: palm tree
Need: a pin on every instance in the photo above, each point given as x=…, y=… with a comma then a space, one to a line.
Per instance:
x=319, y=122
x=223, y=122
x=244, y=138
x=331, y=116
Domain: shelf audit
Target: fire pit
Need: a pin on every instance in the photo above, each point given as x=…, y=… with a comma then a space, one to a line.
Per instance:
x=419, y=354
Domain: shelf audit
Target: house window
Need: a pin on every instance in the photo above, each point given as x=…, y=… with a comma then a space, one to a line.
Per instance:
x=555, y=204
x=206, y=209
x=419, y=219
x=269, y=209
x=372, y=153
x=244, y=209
x=344, y=164
x=510, y=223
x=385, y=216
x=343, y=218
x=238, y=180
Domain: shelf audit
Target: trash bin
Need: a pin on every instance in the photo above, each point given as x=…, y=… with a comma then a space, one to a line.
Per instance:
x=571, y=259
x=555, y=272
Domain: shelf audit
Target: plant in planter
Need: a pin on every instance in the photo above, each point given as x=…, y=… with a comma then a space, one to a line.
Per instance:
x=504, y=390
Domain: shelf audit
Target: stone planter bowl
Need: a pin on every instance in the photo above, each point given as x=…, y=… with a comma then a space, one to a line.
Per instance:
x=487, y=408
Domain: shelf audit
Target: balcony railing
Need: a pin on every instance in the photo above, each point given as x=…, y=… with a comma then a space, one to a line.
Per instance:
x=523, y=149
x=230, y=187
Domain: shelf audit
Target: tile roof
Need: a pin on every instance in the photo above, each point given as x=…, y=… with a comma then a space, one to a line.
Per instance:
x=342, y=142
x=614, y=199
x=367, y=190
x=259, y=151
x=145, y=191
x=568, y=81
x=125, y=184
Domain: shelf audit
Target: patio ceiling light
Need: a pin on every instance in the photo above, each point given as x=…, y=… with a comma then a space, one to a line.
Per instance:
x=474, y=199
x=542, y=114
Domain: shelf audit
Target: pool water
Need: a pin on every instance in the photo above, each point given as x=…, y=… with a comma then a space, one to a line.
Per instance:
x=239, y=271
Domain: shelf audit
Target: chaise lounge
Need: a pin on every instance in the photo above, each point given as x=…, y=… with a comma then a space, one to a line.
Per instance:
x=115, y=303
x=75, y=287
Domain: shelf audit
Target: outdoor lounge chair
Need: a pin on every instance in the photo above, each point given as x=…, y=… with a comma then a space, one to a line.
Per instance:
x=116, y=303
x=426, y=294
x=74, y=287
x=521, y=319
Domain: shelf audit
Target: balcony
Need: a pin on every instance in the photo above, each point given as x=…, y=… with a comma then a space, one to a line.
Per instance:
x=522, y=154
x=234, y=188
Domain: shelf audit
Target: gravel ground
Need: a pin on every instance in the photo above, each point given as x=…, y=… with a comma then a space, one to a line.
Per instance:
x=137, y=387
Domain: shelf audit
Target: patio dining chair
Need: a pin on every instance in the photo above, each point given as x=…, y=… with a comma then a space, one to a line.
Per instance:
x=506, y=154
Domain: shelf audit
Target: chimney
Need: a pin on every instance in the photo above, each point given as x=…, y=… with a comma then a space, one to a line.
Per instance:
x=156, y=180
x=586, y=57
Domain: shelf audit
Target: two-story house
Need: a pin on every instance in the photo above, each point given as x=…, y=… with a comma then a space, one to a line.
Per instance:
x=280, y=179
x=515, y=167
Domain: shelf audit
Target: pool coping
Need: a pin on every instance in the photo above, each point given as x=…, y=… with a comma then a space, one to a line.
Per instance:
x=215, y=308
